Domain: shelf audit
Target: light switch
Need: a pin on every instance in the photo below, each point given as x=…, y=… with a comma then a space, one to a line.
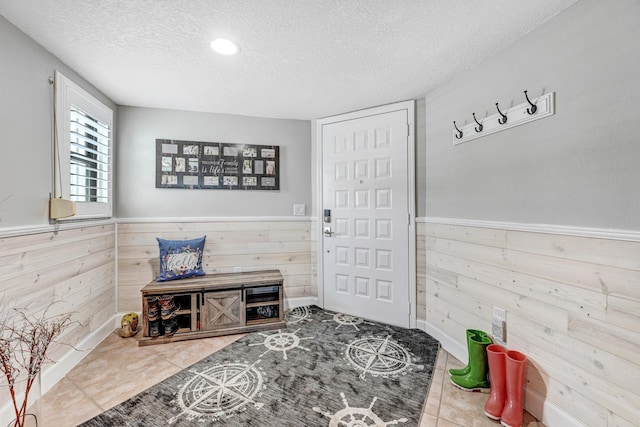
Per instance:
x=299, y=210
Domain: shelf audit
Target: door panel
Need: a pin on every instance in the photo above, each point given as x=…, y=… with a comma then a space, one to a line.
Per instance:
x=365, y=185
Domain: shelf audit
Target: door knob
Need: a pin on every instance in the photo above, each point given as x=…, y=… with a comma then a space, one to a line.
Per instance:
x=327, y=231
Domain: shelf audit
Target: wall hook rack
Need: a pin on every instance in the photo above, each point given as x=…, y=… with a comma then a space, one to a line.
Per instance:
x=532, y=109
x=480, y=126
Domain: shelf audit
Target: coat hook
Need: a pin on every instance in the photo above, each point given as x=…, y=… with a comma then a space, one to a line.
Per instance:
x=459, y=134
x=503, y=120
x=480, y=126
x=533, y=108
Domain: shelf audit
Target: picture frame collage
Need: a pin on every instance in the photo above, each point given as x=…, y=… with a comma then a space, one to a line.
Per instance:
x=217, y=165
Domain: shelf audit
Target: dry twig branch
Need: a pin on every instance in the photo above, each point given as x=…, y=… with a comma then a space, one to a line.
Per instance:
x=24, y=341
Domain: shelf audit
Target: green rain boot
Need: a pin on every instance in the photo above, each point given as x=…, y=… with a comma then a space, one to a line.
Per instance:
x=477, y=379
x=471, y=333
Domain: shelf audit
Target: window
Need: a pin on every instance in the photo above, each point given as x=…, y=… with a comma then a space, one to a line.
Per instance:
x=83, y=150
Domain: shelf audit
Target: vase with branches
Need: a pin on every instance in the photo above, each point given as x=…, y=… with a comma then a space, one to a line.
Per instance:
x=24, y=341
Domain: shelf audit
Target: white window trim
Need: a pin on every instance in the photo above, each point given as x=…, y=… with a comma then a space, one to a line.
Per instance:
x=68, y=93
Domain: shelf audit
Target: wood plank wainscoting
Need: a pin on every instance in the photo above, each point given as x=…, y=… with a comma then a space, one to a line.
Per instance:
x=75, y=266
x=573, y=307
x=250, y=244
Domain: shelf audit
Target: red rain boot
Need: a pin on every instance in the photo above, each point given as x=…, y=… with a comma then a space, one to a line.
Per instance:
x=515, y=365
x=496, y=355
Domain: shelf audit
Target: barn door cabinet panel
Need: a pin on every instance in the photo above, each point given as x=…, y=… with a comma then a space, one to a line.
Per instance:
x=221, y=310
x=219, y=304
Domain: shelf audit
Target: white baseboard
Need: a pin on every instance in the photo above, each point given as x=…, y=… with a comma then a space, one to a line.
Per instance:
x=54, y=373
x=290, y=303
x=535, y=403
x=450, y=345
x=548, y=413
x=58, y=370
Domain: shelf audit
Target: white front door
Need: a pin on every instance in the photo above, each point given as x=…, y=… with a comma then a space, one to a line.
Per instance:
x=366, y=241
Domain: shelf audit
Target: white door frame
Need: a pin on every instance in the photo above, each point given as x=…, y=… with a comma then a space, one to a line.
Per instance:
x=411, y=182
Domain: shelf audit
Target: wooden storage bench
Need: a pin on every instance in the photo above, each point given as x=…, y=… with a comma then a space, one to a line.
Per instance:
x=219, y=304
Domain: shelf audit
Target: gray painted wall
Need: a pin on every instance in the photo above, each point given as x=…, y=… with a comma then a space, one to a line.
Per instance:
x=26, y=127
x=137, y=197
x=580, y=167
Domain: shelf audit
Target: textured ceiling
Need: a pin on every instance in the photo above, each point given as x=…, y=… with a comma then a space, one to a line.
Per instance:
x=299, y=59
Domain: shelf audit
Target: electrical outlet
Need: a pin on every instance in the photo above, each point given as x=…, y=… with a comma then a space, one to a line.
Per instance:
x=499, y=331
x=499, y=324
x=299, y=210
x=237, y=269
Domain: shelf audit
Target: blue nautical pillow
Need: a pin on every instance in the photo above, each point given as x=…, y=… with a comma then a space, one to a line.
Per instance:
x=180, y=258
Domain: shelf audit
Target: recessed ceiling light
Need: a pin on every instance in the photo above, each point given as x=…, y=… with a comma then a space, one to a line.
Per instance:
x=224, y=47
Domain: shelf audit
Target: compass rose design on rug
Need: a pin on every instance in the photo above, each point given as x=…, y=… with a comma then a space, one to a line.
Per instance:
x=379, y=356
x=298, y=315
x=345, y=319
x=220, y=391
x=282, y=342
x=357, y=417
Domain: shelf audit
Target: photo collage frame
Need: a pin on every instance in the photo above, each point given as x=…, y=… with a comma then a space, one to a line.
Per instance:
x=217, y=165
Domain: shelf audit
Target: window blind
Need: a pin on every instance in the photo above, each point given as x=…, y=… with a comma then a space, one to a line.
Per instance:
x=89, y=158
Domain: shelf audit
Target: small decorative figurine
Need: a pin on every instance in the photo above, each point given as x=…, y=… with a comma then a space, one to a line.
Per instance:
x=129, y=325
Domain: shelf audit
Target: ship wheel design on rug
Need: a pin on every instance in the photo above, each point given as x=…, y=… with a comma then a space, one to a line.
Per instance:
x=357, y=417
x=220, y=391
x=282, y=342
x=298, y=315
x=345, y=319
x=380, y=357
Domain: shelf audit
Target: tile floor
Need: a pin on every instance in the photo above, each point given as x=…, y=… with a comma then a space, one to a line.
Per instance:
x=448, y=406
x=118, y=369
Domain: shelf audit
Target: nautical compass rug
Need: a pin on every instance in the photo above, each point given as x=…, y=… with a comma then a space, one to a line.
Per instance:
x=324, y=369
